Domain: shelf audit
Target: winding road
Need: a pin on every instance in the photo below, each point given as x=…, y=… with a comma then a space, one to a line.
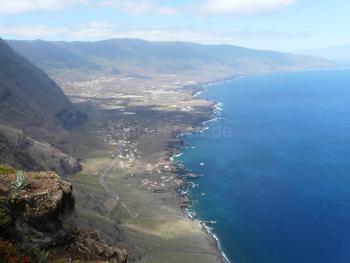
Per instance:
x=109, y=190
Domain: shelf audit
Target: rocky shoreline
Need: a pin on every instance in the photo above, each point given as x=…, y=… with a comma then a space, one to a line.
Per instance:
x=175, y=150
x=183, y=192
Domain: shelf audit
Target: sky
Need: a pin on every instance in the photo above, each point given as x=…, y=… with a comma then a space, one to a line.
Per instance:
x=283, y=25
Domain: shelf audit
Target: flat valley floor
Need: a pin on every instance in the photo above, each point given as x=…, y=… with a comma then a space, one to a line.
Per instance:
x=127, y=189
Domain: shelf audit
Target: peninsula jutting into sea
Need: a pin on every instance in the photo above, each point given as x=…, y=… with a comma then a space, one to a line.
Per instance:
x=125, y=141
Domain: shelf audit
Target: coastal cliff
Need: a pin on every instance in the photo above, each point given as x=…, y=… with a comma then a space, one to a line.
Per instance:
x=37, y=213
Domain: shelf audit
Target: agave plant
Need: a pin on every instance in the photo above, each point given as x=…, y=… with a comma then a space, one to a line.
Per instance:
x=21, y=181
x=42, y=257
x=38, y=255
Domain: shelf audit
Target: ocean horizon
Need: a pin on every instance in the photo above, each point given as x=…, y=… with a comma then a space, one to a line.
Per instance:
x=275, y=164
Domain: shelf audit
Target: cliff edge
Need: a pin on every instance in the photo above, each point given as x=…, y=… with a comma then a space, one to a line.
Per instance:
x=37, y=214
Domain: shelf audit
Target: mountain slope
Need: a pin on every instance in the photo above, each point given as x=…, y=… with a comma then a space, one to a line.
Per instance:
x=26, y=93
x=34, y=113
x=137, y=56
x=41, y=51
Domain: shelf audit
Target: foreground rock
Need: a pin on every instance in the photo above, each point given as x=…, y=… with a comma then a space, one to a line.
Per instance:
x=38, y=211
x=88, y=247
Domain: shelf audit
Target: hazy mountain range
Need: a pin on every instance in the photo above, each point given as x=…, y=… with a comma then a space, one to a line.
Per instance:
x=135, y=56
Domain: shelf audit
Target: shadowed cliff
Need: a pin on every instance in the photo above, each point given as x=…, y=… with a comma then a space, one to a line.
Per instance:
x=35, y=117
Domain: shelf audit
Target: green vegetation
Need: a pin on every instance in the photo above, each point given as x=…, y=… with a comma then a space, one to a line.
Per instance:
x=36, y=175
x=10, y=254
x=6, y=169
x=21, y=181
x=38, y=255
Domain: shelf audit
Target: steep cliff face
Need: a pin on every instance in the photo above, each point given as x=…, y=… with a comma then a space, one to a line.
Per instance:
x=33, y=107
x=37, y=210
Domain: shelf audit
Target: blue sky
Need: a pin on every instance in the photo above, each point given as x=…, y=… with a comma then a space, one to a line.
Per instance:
x=285, y=25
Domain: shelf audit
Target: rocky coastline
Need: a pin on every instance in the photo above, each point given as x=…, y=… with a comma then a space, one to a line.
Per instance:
x=175, y=150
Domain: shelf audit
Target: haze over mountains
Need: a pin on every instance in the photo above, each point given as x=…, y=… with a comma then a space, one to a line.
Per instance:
x=34, y=117
x=139, y=57
x=340, y=54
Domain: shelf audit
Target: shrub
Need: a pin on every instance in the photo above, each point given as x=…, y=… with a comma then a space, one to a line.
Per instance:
x=7, y=169
x=38, y=255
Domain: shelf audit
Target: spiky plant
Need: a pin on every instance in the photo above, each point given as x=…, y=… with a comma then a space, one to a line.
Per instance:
x=38, y=255
x=21, y=181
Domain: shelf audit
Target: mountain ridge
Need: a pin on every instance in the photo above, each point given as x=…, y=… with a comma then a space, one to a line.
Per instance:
x=34, y=117
x=125, y=56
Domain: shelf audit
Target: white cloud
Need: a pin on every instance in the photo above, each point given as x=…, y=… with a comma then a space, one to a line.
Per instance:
x=19, y=6
x=92, y=30
x=138, y=7
x=242, y=6
x=101, y=30
x=97, y=30
x=30, y=31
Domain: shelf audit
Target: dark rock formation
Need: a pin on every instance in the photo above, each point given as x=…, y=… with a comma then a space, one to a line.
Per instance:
x=25, y=153
x=88, y=247
x=42, y=214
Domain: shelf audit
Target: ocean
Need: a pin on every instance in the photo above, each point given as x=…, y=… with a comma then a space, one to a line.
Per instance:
x=276, y=168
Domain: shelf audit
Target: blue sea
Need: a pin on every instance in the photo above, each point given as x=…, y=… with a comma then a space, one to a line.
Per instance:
x=276, y=168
